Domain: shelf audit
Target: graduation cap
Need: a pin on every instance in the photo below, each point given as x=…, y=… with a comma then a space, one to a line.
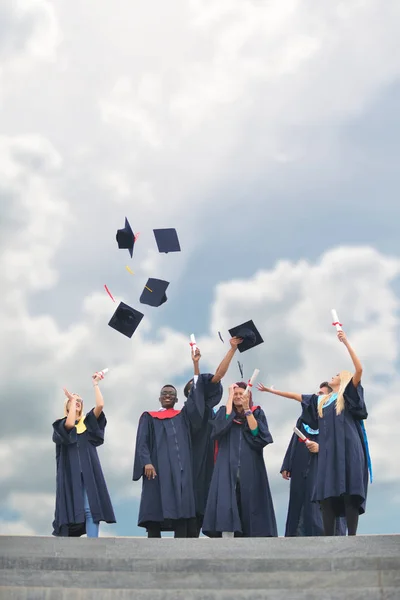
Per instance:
x=126, y=319
x=154, y=292
x=248, y=331
x=167, y=240
x=126, y=238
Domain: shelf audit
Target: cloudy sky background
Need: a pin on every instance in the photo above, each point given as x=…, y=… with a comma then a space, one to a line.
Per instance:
x=267, y=133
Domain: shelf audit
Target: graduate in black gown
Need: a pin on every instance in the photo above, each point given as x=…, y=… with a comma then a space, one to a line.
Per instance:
x=304, y=517
x=342, y=473
x=239, y=501
x=164, y=456
x=82, y=498
x=209, y=387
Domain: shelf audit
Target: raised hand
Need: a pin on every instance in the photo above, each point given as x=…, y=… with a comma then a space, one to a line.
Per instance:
x=245, y=401
x=235, y=341
x=97, y=377
x=68, y=394
x=232, y=389
x=262, y=388
x=342, y=337
x=196, y=356
x=150, y=472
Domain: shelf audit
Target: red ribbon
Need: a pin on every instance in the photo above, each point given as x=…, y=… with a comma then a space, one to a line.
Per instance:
x=304, y=441
x=249, y=384
x=109, y=293
x=337, y=323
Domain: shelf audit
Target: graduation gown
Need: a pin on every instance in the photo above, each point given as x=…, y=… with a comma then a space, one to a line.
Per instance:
x=77, y=460
x=202, y=445
x=239, y=458
x=164, y=440
x=304, y=517
x=342, y=458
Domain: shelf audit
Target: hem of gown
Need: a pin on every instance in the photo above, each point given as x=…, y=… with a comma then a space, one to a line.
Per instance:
x=339, y=504
x=165, y=524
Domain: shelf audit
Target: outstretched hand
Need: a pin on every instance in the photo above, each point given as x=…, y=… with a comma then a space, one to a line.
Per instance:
x=262, y=388
x=342, y=337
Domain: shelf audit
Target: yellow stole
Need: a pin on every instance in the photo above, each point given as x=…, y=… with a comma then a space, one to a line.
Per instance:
x=80, y=425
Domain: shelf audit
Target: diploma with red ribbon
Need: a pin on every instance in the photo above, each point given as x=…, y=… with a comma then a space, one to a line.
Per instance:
x=301, y=435
x=336, y=321
x=193, y=343
x=252, y=378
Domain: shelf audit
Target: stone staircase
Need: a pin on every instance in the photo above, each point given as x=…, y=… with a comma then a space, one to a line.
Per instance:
x=339, y=568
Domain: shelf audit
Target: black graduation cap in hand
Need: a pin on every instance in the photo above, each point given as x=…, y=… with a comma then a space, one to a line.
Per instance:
x=126, y=238
x=154, y=292
x=249, y=333
x=167, y=240
x=126, y=319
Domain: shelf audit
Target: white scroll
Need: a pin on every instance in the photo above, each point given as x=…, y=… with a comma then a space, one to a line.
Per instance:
x=335, y=320
x=251, y=380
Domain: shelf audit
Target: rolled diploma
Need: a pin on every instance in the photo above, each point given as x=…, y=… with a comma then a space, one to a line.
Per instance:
x=300, y=434
x=193, y=343
x=103, y=371
x=335, y=319
x=250, y=384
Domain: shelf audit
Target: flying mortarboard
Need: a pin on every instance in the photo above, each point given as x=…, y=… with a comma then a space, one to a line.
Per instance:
x=248, y=331
x=126, y=238
x=126, y=319
x=154, y=292
x=167, y=240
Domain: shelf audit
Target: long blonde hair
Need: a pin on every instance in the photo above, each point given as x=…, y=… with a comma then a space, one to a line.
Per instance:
x=345, y=378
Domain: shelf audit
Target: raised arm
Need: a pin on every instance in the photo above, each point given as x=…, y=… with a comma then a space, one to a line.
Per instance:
x=291, y=395
x=356, y=361
x=226, y=361
x=71, y=417
x=98, y=395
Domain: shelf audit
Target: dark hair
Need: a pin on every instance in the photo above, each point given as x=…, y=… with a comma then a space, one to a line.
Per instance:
x=170, y=385
x=325, y=384
x=187, y=388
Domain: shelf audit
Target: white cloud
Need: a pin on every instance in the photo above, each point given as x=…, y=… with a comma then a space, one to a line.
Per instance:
x=290, y=304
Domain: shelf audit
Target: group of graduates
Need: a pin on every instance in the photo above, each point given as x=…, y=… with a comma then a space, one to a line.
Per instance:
x=203, y=469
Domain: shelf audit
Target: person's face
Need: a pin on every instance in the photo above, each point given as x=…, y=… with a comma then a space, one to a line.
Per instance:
x=335, y=381
x=78, y=401
x=238, y=397
x=323, y=391
x=168, y=396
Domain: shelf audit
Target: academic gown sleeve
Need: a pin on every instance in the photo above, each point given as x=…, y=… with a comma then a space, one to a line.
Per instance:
x=354, y=401
x=212, y=391
x=263, y=437
x=95, y=427
x=195, y=404
x=288, y=459
x=220, y=424
x=63, y=436
x=309, y=404
x=143, y=446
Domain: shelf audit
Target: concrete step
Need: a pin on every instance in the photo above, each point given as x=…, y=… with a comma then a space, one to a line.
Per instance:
x=11, y=593
x=343, y=568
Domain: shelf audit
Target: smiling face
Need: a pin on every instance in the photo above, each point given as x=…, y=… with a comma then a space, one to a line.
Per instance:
x=168, y=396
x=238, y=399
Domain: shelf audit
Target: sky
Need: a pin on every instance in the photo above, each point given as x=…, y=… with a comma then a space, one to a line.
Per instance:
x=267, y=134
